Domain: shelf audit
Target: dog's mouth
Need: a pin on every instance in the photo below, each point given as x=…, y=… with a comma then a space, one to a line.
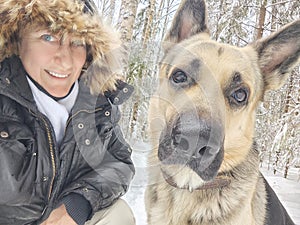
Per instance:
x=219, y=181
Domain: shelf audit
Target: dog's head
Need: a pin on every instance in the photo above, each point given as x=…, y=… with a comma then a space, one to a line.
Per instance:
x=203, y=115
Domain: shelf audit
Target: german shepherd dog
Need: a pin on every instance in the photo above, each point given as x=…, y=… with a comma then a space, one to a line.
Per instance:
x=204, y=167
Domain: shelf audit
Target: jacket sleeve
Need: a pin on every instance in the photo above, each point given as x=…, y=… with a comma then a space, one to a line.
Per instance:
x=77, y=207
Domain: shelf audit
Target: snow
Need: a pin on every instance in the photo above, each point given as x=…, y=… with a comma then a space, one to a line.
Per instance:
x=288, y=190
x=135, y=195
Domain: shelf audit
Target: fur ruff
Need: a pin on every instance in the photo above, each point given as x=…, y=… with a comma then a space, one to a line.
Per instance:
x=104, y=60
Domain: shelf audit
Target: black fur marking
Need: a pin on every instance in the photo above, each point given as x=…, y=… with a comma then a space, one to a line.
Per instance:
x=154, y=196
x=220, y=51
x=191, y=72
x=276, y=213
x=236, y=85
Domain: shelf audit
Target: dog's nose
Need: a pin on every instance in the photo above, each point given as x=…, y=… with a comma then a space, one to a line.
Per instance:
x=196, y=142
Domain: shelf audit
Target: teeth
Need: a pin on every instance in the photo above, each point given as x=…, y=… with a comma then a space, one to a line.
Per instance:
x=58, y=75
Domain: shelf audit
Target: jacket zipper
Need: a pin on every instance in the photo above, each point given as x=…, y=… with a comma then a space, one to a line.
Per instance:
x=51, y=152
x=51, y=155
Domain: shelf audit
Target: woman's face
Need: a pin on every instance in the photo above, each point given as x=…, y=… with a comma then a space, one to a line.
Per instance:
x=52, y=61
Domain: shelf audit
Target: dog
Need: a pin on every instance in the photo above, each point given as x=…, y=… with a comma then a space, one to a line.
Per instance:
x=204, y=166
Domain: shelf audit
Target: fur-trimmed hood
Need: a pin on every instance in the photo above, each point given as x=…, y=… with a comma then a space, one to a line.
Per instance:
x=79, y=17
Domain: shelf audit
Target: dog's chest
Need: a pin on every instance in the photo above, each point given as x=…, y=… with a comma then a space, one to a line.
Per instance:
x=202, y=207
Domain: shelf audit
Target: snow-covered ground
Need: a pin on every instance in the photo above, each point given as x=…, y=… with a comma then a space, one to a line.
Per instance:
x=288, y=190
x=135, y=195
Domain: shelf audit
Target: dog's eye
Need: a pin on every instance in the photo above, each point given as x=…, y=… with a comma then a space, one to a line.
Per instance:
x=179, y=77
x=240, y=95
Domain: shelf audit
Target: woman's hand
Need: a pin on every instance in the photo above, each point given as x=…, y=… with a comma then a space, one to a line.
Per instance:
x=59, y=216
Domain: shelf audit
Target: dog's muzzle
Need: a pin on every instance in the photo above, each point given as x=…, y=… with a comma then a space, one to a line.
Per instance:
x=194, y=142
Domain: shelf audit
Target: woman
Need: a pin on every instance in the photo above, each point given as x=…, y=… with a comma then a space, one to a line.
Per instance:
x=63, y=159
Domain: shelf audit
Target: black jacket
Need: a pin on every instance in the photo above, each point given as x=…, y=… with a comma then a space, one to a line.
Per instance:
x=93, y=160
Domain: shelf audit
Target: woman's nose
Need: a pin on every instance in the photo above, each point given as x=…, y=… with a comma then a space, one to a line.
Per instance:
x=64, y=55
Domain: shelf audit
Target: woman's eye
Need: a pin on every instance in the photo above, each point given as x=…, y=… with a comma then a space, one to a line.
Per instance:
x=48, y=37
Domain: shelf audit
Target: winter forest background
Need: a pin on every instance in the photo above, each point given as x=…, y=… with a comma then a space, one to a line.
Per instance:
x=143, y=23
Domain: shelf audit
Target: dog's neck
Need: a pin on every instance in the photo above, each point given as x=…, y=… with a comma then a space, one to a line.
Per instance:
x=218, y=182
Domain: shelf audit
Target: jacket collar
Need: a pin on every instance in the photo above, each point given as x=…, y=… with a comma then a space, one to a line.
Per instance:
x=14, y=83
x=86, y=101
x=121, y=94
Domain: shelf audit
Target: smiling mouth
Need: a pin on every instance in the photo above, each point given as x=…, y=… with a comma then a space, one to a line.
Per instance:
x=57, y=75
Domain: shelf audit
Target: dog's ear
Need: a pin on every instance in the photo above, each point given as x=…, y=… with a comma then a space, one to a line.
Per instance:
x=278, y=54
x=190, y=19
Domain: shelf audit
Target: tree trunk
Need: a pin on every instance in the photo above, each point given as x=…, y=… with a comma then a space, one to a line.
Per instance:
x=127, y=15
x=286, y=168
x=149, y=22
x=261, y=20
x=221, y=13
x=289, y=93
